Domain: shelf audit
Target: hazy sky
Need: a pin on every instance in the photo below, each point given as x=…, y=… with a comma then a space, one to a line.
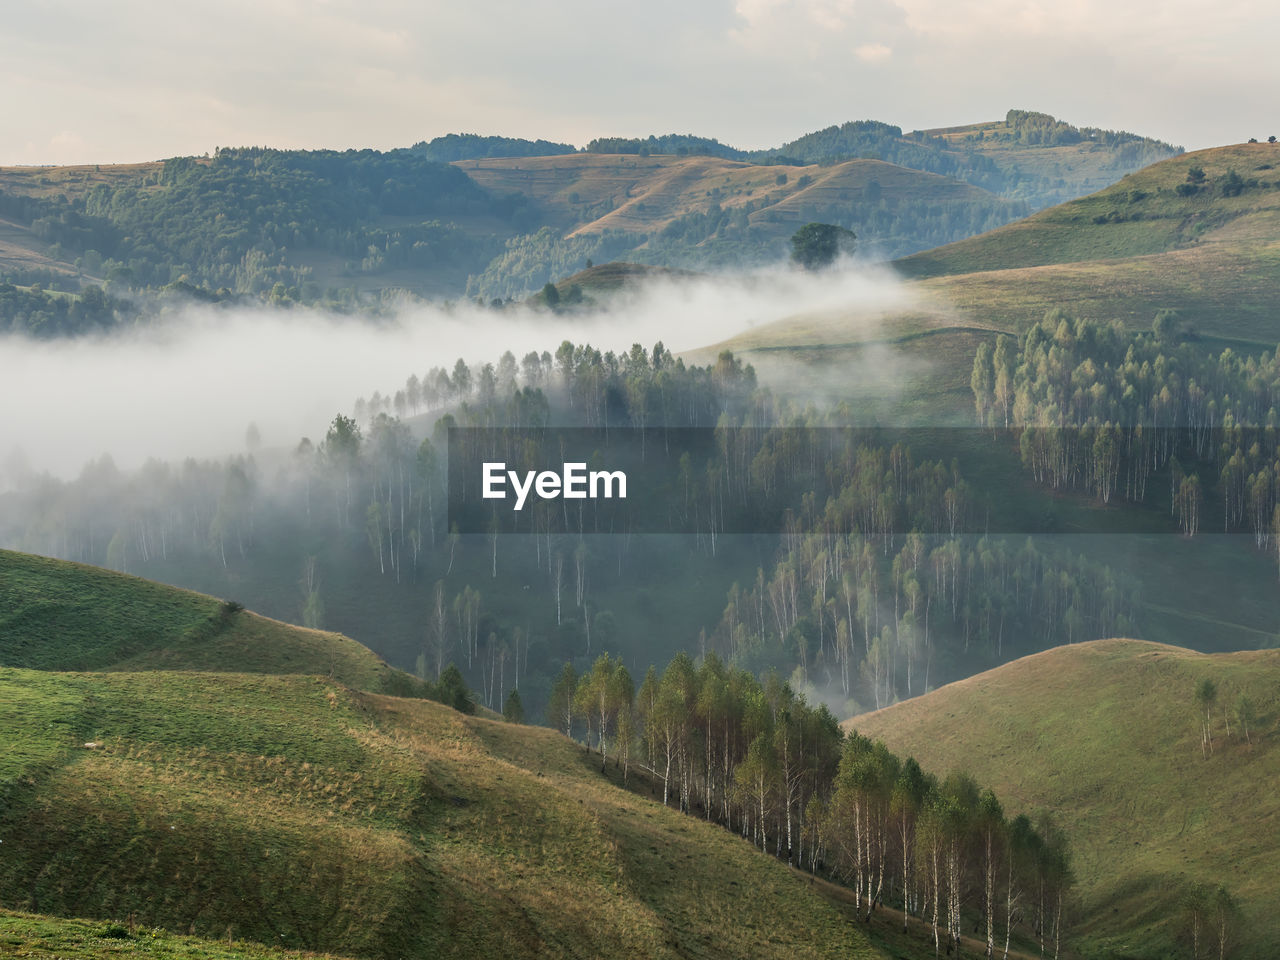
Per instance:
x=143, y=79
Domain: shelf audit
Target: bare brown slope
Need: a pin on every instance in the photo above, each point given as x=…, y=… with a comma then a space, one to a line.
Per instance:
x=593, y=192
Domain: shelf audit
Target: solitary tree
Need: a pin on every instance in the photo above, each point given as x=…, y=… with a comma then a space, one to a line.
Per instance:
x=1245, y=715
x=452, y=689
x=816, y=245
x=1223, y=919
x=560, y=706
x=312, y=604
x=1165, y=326
x=1195, y=917
x=1206, y=694
x=513, y=709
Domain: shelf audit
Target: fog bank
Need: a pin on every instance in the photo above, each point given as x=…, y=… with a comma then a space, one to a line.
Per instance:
x=192, y=385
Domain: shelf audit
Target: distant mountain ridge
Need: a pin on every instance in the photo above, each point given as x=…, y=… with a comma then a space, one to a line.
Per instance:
x=471, y=146
x=994, y=155
x=497, y=217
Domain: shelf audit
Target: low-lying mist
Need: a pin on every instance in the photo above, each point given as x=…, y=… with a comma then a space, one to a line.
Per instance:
x=192, y=385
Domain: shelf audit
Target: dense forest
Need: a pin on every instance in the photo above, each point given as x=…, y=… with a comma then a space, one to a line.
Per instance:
x=1032, y=128
x=470, y=146
x=680, y=144
x=228, y=222
x=869, y=591
x=46, y=313
x=1098, y=409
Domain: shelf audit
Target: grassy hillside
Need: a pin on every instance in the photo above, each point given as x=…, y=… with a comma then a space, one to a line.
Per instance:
x=642, y=194
x=76, y=182
x=294, y=811
x=341, y=228
x=56, y=615
x=1027, y=155
x=319, y=225
x=705, y=212
x=29, y=935
x=1106, y=736
x=1145, y=213
x=1153, y=241
x=1048, y=161
x=1124, y=253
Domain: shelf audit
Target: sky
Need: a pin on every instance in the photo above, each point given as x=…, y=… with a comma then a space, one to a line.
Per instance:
x=139, y=80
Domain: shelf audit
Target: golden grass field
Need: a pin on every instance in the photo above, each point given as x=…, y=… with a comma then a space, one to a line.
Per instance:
x=1105, y=736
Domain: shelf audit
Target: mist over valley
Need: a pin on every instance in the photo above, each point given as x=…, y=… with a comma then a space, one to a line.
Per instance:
x=995, y=673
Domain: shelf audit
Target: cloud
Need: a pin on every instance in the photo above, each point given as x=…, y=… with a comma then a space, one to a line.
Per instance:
x=136, y=79
x=190, y=387
x=779, y=28
x=873, y=52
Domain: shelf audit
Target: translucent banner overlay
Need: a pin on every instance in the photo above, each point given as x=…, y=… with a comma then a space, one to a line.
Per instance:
x=875, y=481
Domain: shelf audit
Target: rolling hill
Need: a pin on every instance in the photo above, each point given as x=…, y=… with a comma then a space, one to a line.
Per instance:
x=1048, y=161
x=1163, y=238
x=320, y=222
x=301, y=812
x=593, y=193
x=31, y=936
x=245, y=220
x=298, y=812
x=1160, y=209
x=344, y=228
x=702, y=212
x=1199, y=233
x=1027, y=156
x=56, y=615
x=1106, y=736
x=1208, y=249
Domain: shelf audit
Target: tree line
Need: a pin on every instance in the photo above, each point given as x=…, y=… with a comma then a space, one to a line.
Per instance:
x=36, y=312
x=1098, y=409
x=877, y=627
x=869, y=592
x=231, y=221
x=758, y=758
